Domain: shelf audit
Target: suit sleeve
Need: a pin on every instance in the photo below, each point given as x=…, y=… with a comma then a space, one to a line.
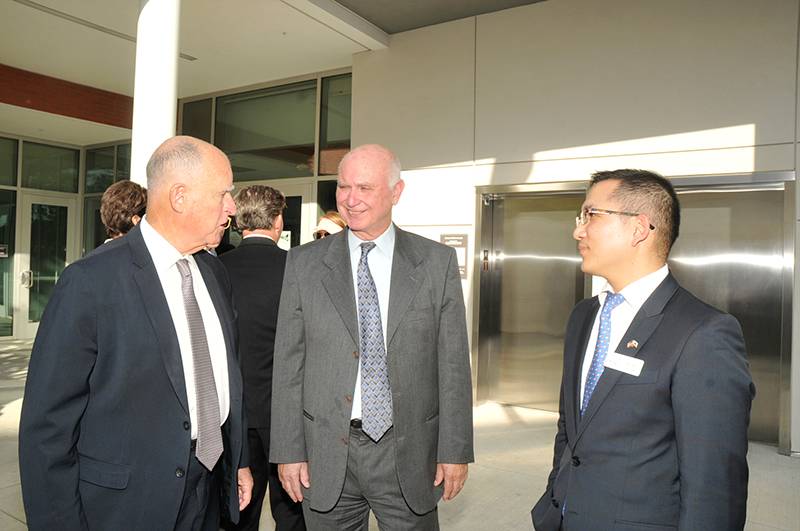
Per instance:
x=56, y=395
x=455, y=379
x=711, y=394
x=287, y=438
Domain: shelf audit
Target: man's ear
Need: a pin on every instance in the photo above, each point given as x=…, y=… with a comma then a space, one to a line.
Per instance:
x=641, y=230
x=177, y=197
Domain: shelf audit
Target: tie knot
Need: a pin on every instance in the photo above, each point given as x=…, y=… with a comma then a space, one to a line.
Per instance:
x=613, y=300
x=183, y=267
x=366, y=247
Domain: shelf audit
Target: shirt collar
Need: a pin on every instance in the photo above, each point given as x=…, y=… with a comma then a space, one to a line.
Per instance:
x=164, y=254
x=636, y=293
x=256, y=235
x=383, y=243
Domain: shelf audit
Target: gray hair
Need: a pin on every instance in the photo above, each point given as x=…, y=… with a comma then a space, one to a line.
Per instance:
x=176, y=153
x=258, y=206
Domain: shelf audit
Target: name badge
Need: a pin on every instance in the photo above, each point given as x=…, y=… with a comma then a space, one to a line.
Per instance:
x=623, y=363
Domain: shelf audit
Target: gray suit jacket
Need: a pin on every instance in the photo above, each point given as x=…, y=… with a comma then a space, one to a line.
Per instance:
x=316, y=363
x=664, y=450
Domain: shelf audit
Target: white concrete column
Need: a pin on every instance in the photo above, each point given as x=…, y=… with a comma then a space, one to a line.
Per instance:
x=155, y=92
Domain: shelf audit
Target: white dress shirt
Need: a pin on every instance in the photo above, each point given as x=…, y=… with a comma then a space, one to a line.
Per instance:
x=635, y=294
x=165, y=258
x=379, y=260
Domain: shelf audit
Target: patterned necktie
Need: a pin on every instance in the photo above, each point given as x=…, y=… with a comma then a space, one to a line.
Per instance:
x=376, y=395
x=601, y=347
x=209, y=435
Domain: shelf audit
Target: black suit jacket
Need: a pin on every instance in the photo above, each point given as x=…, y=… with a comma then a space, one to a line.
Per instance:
x=664, y=450
x=105, y=430
x=256, y=272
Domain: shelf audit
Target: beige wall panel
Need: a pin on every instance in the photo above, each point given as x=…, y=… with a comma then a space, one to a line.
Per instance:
x=615, y=77
x=417, y=96
x=705, y=162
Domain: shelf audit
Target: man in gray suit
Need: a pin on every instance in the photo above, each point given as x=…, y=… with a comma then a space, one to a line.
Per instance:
x=656, y=389
x=372, y=399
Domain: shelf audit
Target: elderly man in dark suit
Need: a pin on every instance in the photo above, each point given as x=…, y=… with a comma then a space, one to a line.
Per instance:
x=371, y=405
x=256, y=272
x=656, y=389
x=132, y=417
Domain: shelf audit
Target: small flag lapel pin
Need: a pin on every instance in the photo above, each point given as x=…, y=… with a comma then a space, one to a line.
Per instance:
x=633, y=344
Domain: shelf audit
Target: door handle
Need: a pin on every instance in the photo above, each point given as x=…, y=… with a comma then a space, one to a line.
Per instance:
x=26, y=279
x=485, y=261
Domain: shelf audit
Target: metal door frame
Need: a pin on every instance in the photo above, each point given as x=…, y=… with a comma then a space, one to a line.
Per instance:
x=729, y=182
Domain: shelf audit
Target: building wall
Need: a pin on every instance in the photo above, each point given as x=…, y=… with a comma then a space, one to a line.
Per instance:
x=557, y=90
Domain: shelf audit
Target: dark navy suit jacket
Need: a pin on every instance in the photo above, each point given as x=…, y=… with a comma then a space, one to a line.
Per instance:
x=663, y=450
x=105, y=430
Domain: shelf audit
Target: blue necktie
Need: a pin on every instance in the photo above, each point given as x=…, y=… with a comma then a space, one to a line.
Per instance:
x=376, y=395
x=601, y=347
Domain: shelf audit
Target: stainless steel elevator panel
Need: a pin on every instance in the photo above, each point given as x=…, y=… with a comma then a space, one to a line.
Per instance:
x=730, y=254
x=534, y=281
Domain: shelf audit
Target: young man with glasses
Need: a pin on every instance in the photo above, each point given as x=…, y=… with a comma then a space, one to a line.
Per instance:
x=656, y=389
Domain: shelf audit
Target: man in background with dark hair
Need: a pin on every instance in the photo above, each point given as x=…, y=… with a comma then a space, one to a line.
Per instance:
x=656, y=388
x=256, y=273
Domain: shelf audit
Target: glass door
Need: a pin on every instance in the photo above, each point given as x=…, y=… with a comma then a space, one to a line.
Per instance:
x=48, y=242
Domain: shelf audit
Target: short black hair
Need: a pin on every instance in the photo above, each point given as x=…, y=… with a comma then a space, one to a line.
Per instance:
x=648, y=193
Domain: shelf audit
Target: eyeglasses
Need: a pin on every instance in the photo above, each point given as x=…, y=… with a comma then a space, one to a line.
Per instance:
x=321, y=234
x=586, y=214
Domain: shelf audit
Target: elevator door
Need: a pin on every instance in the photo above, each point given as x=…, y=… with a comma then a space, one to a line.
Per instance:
x=730, y=253
x=527, y=294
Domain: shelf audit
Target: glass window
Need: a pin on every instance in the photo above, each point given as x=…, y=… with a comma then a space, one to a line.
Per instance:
x=8, y=225
x=123, y=162
x=334, y=130
x=268, y=133
x=99, y=169
x=8, y=161
x=49, y=167
x=94, y=233
x=196, y=120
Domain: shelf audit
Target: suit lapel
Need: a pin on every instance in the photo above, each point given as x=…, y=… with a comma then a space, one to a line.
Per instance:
x=157, y=310
x=224, y=313
x=572, y=393
x=339, y=282
x=642, y=327
x=405, y=281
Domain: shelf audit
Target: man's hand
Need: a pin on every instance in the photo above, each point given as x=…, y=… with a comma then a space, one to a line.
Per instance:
x=454, y=477
x=245, y=482
x=292, y=475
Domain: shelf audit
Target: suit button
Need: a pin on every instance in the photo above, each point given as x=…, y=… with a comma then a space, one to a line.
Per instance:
x=576, y=461
x=186, y=425
x=179, y=472
x=555, y=503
